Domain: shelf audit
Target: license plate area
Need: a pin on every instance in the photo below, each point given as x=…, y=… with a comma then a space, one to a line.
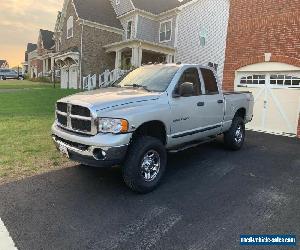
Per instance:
x=64, y=150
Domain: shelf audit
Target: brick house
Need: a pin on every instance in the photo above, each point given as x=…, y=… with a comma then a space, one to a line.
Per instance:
x=82, y=29
x=25, y=65
x=4, y=64
x=39, y=56
x=263, y=56
x=46, y=51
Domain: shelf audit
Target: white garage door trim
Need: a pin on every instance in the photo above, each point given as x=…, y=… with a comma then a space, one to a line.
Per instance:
x=263, y=84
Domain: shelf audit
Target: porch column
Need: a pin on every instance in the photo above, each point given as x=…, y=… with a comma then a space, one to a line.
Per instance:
x=136, y=60
x=52, y=69
x=169, y=58
x=44, y=67
x=140, y=56
x=118, y=59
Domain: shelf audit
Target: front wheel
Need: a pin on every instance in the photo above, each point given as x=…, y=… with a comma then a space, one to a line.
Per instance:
x=234, y=138
x=145, y=164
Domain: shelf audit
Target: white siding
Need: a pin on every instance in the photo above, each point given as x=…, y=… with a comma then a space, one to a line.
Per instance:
x=208, y=14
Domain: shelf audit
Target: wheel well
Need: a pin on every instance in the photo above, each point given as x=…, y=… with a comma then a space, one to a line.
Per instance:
x=241, y=113
x=155, y=129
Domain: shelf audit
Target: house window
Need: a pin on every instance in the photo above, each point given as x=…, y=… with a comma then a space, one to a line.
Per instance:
x=165, y=31
x=203, y=37
x=70, y=27
x=129, y=30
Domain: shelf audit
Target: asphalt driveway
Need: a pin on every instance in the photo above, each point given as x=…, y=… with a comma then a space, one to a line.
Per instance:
x=209, y=197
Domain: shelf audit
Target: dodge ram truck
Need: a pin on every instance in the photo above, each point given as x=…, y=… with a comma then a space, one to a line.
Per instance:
x=153, y=110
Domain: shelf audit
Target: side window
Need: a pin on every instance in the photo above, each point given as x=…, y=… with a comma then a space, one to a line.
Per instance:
x=210, y=82
x=191, y=75
x=70, y=24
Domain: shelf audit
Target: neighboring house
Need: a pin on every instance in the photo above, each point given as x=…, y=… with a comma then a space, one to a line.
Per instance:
x=81, y=31
x=263, y=56
x=25, y=65
x=149, y=32
x=4, y=64
x=35, y=65
x=201, y=33
x=46, y=52
x=97, y=35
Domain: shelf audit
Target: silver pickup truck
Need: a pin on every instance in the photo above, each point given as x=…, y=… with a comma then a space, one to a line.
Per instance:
x=155, y=109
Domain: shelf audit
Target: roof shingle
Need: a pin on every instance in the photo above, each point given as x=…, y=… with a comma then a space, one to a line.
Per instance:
x=99, y=11
x=47, y=38
x=158, y=6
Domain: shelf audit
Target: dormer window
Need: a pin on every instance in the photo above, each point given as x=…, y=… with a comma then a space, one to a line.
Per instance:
x=129, y=30
x=70, y=24
x=165, y=31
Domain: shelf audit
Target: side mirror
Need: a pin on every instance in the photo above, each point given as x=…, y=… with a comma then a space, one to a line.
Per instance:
x=185, y=89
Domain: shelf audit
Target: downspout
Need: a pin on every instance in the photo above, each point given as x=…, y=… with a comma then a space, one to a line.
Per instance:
x=81, y=56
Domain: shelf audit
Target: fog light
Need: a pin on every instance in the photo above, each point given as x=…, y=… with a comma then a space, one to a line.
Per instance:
x=99, y=154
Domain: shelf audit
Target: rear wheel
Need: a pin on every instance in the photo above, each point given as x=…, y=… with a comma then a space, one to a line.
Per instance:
x=145, y=164
x=234, y=138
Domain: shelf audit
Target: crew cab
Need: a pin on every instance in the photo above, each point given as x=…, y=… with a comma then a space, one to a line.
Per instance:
x=153, y=110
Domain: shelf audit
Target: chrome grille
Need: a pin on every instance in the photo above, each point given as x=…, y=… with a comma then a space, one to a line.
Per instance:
x=75, y=118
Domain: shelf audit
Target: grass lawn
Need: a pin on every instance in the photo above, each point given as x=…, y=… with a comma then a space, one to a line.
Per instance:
x=26, y=116
x=9, y=84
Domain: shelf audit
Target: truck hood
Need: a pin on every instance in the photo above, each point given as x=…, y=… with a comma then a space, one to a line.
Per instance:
x=112, y=98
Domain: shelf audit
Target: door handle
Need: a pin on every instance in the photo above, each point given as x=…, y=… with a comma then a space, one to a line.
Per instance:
x=220, y=101
x=200, y=104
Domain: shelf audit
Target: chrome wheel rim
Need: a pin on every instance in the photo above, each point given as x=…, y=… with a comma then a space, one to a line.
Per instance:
x=238, y=137
x=150, y=165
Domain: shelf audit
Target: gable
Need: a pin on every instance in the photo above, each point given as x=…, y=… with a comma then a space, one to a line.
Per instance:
x=158, y=6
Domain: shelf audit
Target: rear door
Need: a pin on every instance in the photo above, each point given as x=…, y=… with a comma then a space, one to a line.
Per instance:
x=213, y=101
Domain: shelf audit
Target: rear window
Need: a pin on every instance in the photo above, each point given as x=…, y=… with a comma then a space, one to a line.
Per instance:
x=210, y=82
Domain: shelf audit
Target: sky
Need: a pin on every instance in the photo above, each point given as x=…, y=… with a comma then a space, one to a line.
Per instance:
x=20, y=21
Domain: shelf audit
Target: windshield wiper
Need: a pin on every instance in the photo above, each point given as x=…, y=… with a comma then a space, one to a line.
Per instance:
x=137, y=86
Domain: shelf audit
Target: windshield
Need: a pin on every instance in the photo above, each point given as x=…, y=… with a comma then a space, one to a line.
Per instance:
x=152, y=78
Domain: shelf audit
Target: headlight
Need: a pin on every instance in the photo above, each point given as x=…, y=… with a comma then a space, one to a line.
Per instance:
x=110, y=125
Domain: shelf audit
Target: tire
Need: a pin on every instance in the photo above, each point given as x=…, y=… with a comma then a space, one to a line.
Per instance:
x=234, y=138
x=136, y=177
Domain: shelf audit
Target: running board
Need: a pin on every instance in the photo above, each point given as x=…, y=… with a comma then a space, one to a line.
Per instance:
x=192, y=144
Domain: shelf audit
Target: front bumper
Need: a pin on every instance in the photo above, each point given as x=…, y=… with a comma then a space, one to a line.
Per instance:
x=91, y=150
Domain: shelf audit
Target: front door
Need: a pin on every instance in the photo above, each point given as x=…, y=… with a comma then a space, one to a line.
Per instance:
x=187, y=111
x=277, y=100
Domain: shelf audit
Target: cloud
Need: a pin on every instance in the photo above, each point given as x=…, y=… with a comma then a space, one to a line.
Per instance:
x=20, y=21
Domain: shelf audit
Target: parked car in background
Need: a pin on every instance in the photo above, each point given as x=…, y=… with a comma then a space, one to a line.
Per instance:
x=10, y=74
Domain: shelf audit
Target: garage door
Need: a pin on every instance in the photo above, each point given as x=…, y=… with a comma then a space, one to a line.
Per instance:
x=64, y=78
x=277, y=100
x=73, y=71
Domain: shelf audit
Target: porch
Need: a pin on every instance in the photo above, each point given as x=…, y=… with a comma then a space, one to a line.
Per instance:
x=68, y=64
x=135, y=53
